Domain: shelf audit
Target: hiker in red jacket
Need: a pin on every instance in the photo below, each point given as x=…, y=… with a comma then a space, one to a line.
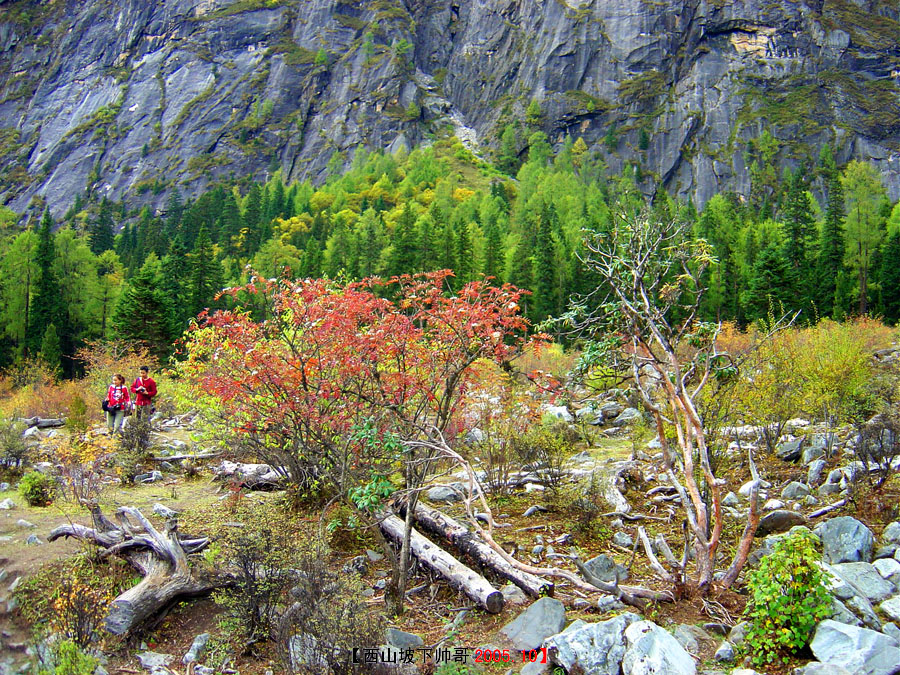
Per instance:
x=144, y=389
x=117, y=399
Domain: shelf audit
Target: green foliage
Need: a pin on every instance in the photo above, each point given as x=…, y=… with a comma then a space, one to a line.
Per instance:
x=13, y=450
x=36, y=488
x=67, y=658
x=788, y=597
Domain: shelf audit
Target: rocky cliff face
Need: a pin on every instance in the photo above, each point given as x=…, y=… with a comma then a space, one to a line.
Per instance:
x=139, y=96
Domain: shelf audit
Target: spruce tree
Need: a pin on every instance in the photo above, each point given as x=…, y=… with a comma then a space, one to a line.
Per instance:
x=175, y=272
x=465, y=264
x=143, y=314
x=174, y=214
x=428, y=244
x=544, y=302
x=101, y=235
x=405, y=247
x=832, y=247
x=492, y=265
x=204, y=275
x=800, y=228
x=45, y=304
x=890, y=279
x=230, y=223
x=770, y=284
x=51, y=352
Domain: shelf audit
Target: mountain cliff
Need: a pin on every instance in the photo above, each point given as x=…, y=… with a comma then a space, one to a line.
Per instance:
x=135, y=97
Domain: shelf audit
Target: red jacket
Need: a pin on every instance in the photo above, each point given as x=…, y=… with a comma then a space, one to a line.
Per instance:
x=143, y=397
x=117, y=395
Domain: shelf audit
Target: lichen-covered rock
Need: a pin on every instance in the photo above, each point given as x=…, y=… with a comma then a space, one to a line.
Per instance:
x=845, y=539
x=545, y=617
x=593, y=648
x=653, y=650
x=858, y=650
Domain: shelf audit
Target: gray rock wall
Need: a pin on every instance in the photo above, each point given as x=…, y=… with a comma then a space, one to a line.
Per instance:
x=139, y=96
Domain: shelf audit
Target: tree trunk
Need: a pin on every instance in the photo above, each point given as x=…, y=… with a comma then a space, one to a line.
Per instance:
x=161, y=558
x=460, y=577
x=457, y=534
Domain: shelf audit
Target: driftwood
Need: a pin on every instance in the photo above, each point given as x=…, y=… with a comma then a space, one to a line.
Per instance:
x=42, y=423
x=160, y=557
x=188, y=455
x=250, y=476
x=438, y=523
x=462, y=578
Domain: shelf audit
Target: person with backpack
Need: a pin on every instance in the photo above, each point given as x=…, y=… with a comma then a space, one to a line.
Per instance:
x=144, y=389
x=117, y=399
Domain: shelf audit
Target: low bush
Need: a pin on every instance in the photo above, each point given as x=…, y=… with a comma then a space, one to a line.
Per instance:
x=13, y=450
x=36, y=488
x=788, y=597
x=66, y=658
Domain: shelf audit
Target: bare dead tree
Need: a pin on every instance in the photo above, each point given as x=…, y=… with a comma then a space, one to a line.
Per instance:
x=645, y=315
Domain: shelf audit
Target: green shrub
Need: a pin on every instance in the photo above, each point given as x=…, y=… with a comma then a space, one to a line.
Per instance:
x=788, y=597
x=66, y=658
x=36, y=488
x=13, y=450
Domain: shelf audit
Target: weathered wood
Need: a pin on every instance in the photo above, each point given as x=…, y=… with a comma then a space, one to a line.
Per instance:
x=187, y=455
x=161, y=558
x=457, y=534
x=251, y=476
x=460, y=577
x=42, y=423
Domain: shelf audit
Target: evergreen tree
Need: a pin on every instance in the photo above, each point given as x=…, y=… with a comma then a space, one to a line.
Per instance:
x=465, y=263
x=544, y=301
x=890, y=279
x=51, y=352
x=101, y=228
x=800, y=228
x=45, y=304
x=230, y=224
x=175, y=270
x=770, y=284
x=493, y=252
x=508, y=154
x=143, y=314
x=428, y=244
x=832, y=248
x=204, y=275
x=405, y=247
x=275, y=206
x=174, y=214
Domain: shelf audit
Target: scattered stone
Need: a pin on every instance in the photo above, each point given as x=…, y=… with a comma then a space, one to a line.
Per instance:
x=789, y=451
x=605, y=568
x=841, y=614
x=474, y=436
x=725, y=653
x=443, y=493
x=592, y=648
x=626, y=417
x=891, y=534
x=779, y=521
x=303, y=651
x=534, y=487
x=738, y=634
x=653, y=650
x=827, y=489
x=531, y=510
x=859, y=650
x=690, y=637
x=865, y=579
x=198, y=646
x=203, y=670
x=513, y=595
x=4, y=487
x=834, y=476
x=559, y=412
x=537, y=550
x=7, y=504
x=545, y=617
x=731, y=500
x=810, y=500
x=891, y=630
x=153, y=660
x=889, y=569
x=814, y=474
x=816, y=668
x=164, y=511
x=23, y=524
x=607, y=603
x=610, y=410
x=401, y=639
x=622, y=539
x=845, y=539
x=151, y=477
x=716, y=628
x=773, y=505
x=794, y=490
x=891, y=608
x=33, y=540
x=581, y=457
x=374, y=556
x=357, y=565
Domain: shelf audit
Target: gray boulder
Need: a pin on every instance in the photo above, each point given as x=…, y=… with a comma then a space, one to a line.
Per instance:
x=794, y=490
x=594, y=648
x=627, y=417
x=816, y=668
x=401, y=639
x=780, y=520
x=725, y=653
x=7, y=504
x=153, y=661
x=513, y=595
x=622, y=539
x=891, y=630
x=691, y=637
x=891, y=608
x=738, y=633
x=653, y=651
x=444, y=493
x=790, y=451
x=865, y=579
x=814, y=474
x=605, y=568
x=814, y=448
x=611, y=410
x=545, y=617
x=858, y=650
x=559, y=412
x=891, y=534
x=164, y=511
x=198, y=646
x=841, y=614
x=845, y=539
x=889, y=569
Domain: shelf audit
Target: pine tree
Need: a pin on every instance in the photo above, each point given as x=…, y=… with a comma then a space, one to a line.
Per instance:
x=465, y=263
x=428, y=244
x=405, y=246
x=45, y=305
x=890, y=279
x=51, y=352
x=508, y=154
x=174, y=214
x=770, y=284
x=175, y=271
x=143, y=314
x=204, y=275
x=230, y=224
x=101, y=229
x=544, y=302
x=832, y=247
x=800, y=228
x=492, y=265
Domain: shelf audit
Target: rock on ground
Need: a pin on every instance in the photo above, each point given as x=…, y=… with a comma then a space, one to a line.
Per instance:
x=865, y=579
x=652, y=651
x=845, y=539
x=859, y=650
x=592, y=648
x=545, y=617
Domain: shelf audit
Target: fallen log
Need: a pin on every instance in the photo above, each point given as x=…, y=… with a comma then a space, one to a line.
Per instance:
x=187, y=455
x=457, y=534
x=460, y=577
x=42, y=423
x=250, y=476
x=160, y=557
